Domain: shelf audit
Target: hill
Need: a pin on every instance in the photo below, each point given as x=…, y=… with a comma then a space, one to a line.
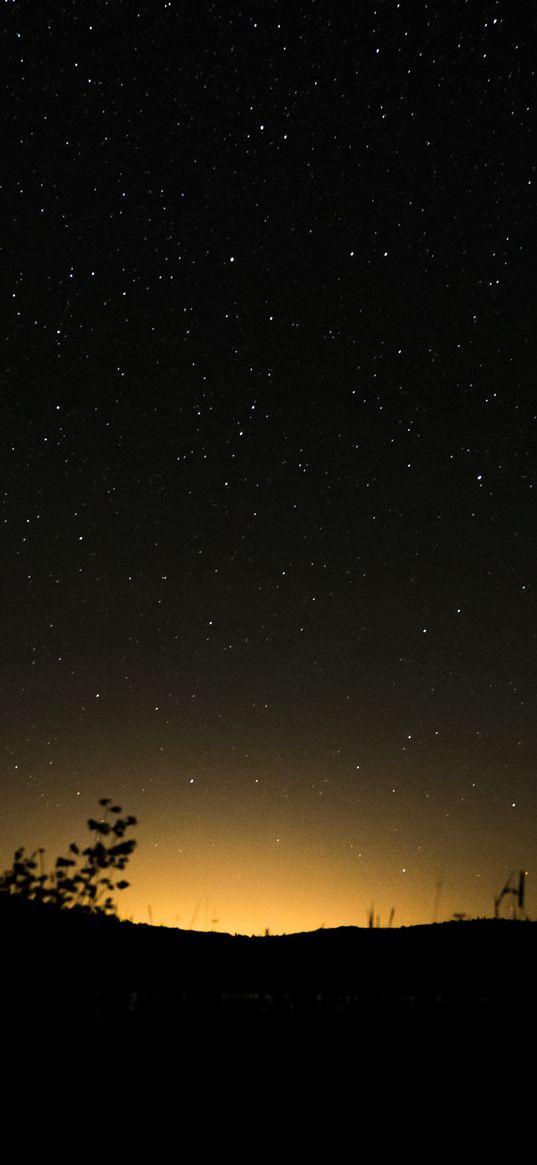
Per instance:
x=325, y=1033
x=93, y=971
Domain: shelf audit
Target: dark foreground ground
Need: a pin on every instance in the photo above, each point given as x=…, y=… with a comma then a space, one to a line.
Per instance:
x=339, y=1028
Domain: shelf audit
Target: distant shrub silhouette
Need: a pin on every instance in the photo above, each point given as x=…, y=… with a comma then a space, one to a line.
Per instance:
x=83, y=881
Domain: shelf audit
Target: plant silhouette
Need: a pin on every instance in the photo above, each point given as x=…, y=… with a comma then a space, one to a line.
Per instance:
x=85, y=879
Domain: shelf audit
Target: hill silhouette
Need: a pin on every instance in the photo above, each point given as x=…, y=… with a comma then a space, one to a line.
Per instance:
x=341, y=1033
x=93, y=973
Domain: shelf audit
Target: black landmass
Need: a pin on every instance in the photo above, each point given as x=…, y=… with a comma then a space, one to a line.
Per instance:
x=386, y=1036
x=94, y=973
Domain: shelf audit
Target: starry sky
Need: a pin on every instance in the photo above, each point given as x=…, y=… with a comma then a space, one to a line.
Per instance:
x=268, y=451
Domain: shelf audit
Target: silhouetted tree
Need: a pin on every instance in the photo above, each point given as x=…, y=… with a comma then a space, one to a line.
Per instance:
x=85, y=879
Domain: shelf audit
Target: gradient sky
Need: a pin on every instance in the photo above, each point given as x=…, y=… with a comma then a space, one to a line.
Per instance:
x=268, y=450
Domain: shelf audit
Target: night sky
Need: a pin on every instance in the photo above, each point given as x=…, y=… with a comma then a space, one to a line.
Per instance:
x=269, y=451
